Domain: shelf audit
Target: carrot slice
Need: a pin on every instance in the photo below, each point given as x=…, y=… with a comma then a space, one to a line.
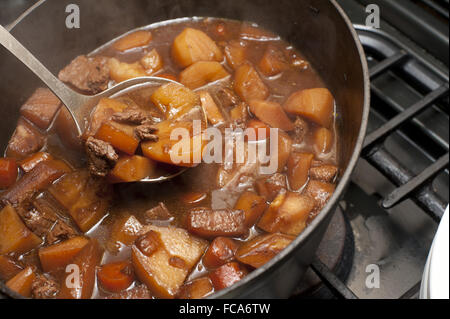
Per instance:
x=8, y=172
x=115, y=277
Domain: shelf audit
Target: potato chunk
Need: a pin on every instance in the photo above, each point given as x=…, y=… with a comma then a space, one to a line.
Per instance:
x=271, y=113
x=152, y=62
x=236, y=54
x=87, y=261
x=291, y=216
x=298, y=169
x=121, y=71
x=131, y=169
x=284, y=150
x=196, y=289
x=248, y=84
x=262, y=249
x=21, y=283
x=252, y=205
x=273, y=62
x=15, y=237
x=133, y=40
x=201, y=73
x=124, y=231
x=323, y=140
x=193, y=45
x=324, y=173
x=8, y=268
x=59, y=255
x=320, y=192
x=316, y=105
x=86, y=198
x=211, y=109
x=172, y=98
x=165, y=270
x=270, y=187
x=209, y=223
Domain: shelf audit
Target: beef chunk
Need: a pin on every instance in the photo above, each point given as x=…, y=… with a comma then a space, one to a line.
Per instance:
x=37, y=222
x=320, y=192
x=25, y=141
x=44, y=288
x=324, y=173
x=301, y=128
x=228, y=98
x=41, y=108
x=90, y=75
x=133, y=116
x=146, y=132
x=137, y=292
x=101, y=156
x=59, y=232
x=159, y=212
x=209, y=223
x=271, y=186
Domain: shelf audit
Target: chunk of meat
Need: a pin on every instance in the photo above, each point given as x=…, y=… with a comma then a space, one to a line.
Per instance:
x=36, y=180
x=253, y=206
x=271, y=113
x=59, y=255
x=271, y=186
x=60, y=231
x=289, y=217
x=193, y=45
x=146, y=132
x=8, y=172
x=87, y=261
x=219, y=252
x=320, y=192
x=301, y=129
x=227, y=98
x=324, y=173
x=316, y=105
x=8, y=267
x=227, y=275
x=261, y=249
x=88, y=74
x=22, y=282
x=159, y=212
x=133, y=40
x=132, y=116
x=273, y=62
x=196, y=289
x=38, y=223
x=201, y=73
x=248, y=84
x=41, y=108
x=131, y=169
x=159, y=272
x=236, y=53
x=101, y=156
x=44, y=288
x=298, y=169
x=137, y=292
x=25, y=141
x=209, y=223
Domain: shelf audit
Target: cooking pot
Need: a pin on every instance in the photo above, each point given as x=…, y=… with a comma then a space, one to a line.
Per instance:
x=318, y=28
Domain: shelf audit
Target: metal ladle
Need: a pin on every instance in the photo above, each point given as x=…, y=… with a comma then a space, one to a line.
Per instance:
x=79, y=105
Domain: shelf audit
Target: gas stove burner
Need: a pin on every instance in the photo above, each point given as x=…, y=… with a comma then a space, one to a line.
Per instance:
x=336, y=252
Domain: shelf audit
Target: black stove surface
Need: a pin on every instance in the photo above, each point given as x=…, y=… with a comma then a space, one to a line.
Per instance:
x=381, y=224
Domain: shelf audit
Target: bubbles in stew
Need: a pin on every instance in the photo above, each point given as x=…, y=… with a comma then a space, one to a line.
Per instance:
x=74, y=222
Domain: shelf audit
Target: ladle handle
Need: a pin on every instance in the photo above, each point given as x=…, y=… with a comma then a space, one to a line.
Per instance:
x=66, y=95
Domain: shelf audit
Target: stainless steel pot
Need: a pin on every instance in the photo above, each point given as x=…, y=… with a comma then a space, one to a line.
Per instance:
x=318, y=28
